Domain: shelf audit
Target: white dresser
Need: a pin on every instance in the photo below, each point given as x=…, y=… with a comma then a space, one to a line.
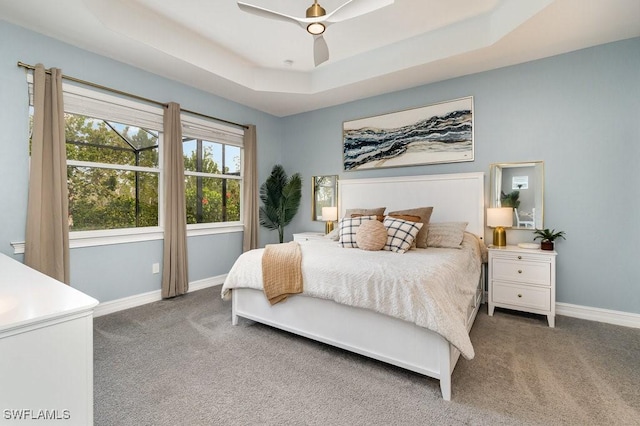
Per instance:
x=523, y=280
x=46, y=349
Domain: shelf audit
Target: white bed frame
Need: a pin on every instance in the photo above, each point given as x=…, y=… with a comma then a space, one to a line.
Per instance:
x=455, y=197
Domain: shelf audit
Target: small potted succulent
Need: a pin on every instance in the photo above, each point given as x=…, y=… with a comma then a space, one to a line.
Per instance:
x=547, y=237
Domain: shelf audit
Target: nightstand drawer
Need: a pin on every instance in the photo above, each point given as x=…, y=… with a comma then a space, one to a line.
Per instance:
x=521, y=295
x=522, y=271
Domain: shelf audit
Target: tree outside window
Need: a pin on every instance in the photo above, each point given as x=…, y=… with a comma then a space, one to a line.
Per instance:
x=112, y=174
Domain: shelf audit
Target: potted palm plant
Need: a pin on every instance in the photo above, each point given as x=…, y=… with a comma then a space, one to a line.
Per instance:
x=280, y=196
x=547, y=237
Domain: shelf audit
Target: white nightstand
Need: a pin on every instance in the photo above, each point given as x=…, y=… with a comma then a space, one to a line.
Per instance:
x=307, y=236
x=523, y=280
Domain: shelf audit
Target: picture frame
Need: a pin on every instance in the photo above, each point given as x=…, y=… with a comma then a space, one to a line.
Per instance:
x=432, y=134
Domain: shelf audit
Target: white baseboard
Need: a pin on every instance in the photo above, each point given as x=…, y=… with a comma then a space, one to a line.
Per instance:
x=626, y=319
x=112, y=306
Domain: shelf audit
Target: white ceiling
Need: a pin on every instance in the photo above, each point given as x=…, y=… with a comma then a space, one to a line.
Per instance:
x=268, y=64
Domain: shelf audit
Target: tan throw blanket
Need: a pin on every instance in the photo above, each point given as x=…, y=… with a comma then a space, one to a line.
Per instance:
x=281, y=271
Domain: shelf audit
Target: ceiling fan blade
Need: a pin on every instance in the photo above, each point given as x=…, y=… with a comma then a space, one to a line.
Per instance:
x=320, y=50
x=270, y=14
x=354, y=8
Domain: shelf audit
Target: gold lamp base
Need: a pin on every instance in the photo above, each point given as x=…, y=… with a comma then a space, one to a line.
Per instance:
x=328, y=227
x=499, y=237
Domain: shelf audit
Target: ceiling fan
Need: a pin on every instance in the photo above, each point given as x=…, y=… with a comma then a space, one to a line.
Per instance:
x=317, y=19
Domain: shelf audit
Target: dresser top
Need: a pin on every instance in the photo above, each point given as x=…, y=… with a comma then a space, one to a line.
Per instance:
x=28, y=296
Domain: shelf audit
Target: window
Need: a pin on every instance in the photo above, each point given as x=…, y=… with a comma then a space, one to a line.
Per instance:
x=212, y=181
x=114, y=169
x=213, y=172
x=112, y=174
x=113, y=164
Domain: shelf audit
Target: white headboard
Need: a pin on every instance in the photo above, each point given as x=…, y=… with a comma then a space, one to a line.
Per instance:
x=457, y=197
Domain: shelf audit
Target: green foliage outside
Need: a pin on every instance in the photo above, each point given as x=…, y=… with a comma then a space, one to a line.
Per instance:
x=104, y=198
x=209, y=199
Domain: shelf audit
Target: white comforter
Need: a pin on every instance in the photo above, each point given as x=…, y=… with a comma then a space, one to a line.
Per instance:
x=430, y=287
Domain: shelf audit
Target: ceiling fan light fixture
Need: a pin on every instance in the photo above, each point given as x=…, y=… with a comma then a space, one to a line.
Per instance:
x=315, y=28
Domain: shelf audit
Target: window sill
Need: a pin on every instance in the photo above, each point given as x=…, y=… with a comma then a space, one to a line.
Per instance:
x=102, y=238
x=197, y=230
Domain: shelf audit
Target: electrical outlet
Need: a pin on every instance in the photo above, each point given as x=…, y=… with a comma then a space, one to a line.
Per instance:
x=155, y=268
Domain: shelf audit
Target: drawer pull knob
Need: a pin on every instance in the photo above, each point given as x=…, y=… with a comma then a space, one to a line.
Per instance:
x=519, y=257
x=519, y=295
x=519, y=271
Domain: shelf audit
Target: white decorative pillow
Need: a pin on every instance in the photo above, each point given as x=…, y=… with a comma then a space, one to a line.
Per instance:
x=446, y=234
x=348, y=227
x=333, y=235
x=371, y=235
x=400, y=234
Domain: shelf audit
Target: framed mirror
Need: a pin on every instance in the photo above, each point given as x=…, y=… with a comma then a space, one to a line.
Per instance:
x=521, y=186
x=324, y=193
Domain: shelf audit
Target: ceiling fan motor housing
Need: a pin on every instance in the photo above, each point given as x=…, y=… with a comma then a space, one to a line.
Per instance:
x=315, y=11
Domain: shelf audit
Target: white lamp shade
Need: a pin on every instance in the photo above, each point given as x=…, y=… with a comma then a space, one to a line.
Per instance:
x=500, y=216
x=329, y=214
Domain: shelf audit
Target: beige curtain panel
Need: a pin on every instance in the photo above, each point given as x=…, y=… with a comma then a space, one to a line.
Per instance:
x=47, y=231
x=250, y=190
x=175, y=277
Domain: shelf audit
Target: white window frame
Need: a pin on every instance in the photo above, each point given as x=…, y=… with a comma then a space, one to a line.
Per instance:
x=211, y=131
x=105, y=106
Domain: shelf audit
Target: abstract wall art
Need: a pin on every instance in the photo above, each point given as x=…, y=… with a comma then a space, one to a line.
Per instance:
x=438, y=133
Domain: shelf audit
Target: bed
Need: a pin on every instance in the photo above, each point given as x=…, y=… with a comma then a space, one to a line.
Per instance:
x=407, y=336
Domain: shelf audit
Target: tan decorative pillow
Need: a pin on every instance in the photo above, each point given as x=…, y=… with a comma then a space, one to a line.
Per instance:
x=424, y=213
x=446, y=234
x=379, y=217
x=378, y=211
x=371, y=235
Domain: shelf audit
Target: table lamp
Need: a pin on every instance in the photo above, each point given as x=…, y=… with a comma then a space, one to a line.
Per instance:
x=499, y=218
x=329, y=215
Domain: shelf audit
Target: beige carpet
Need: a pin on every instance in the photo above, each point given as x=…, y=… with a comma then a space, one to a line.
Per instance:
x=181, y=362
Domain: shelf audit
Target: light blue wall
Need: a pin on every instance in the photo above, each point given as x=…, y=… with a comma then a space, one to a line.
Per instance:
x=578, y=112
x=115, y=271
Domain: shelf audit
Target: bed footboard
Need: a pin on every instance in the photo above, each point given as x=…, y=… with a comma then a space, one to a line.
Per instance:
x=374, y=335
